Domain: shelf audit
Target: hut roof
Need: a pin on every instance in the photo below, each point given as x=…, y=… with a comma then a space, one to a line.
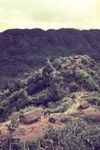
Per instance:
x=29, y=118
x=84, y=105
x=52, y=120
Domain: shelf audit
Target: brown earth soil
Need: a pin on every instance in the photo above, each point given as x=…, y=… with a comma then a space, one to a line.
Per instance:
x=32, y=131
x=36, y=130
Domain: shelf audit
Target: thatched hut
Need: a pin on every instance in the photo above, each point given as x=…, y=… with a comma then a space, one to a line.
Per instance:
x=84, y=106
x=29, y=118
x=52, y=120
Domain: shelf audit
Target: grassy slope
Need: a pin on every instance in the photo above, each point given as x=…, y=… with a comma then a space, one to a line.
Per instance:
x=59, y=88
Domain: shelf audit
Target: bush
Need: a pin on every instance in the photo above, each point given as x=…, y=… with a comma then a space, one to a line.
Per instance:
x=85, y=80
x=74, y=136
x=65, y=119
x=93, y=101
x=74, y=87
x=92, y=119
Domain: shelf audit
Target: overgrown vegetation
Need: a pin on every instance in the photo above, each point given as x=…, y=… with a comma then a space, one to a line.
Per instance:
x=54, y=89
x=76, y=135
x=51, y=83
x=72, y=137
x=9, y=141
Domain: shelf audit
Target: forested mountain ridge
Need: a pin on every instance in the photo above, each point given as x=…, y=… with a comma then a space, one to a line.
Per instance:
x=23, y=49
x=50, y=89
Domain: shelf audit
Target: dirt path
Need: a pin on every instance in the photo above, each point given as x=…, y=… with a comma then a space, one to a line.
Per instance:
x=90, y=111
x=32, y=131
x=74, y=108
x=37, y=130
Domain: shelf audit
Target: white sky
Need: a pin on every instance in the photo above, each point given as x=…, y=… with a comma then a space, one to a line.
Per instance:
x=82, y=14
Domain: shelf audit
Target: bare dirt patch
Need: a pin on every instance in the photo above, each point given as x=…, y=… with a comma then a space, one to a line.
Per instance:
x=32, y=131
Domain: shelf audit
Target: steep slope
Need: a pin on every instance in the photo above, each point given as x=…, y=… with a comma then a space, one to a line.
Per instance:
x=22, y=50
x=51, y=83
x=54, y=107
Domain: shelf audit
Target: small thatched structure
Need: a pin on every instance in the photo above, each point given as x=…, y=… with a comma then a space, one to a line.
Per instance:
x=84, y=106
x=46, y=114
x=29, y=118
x=52, y=120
